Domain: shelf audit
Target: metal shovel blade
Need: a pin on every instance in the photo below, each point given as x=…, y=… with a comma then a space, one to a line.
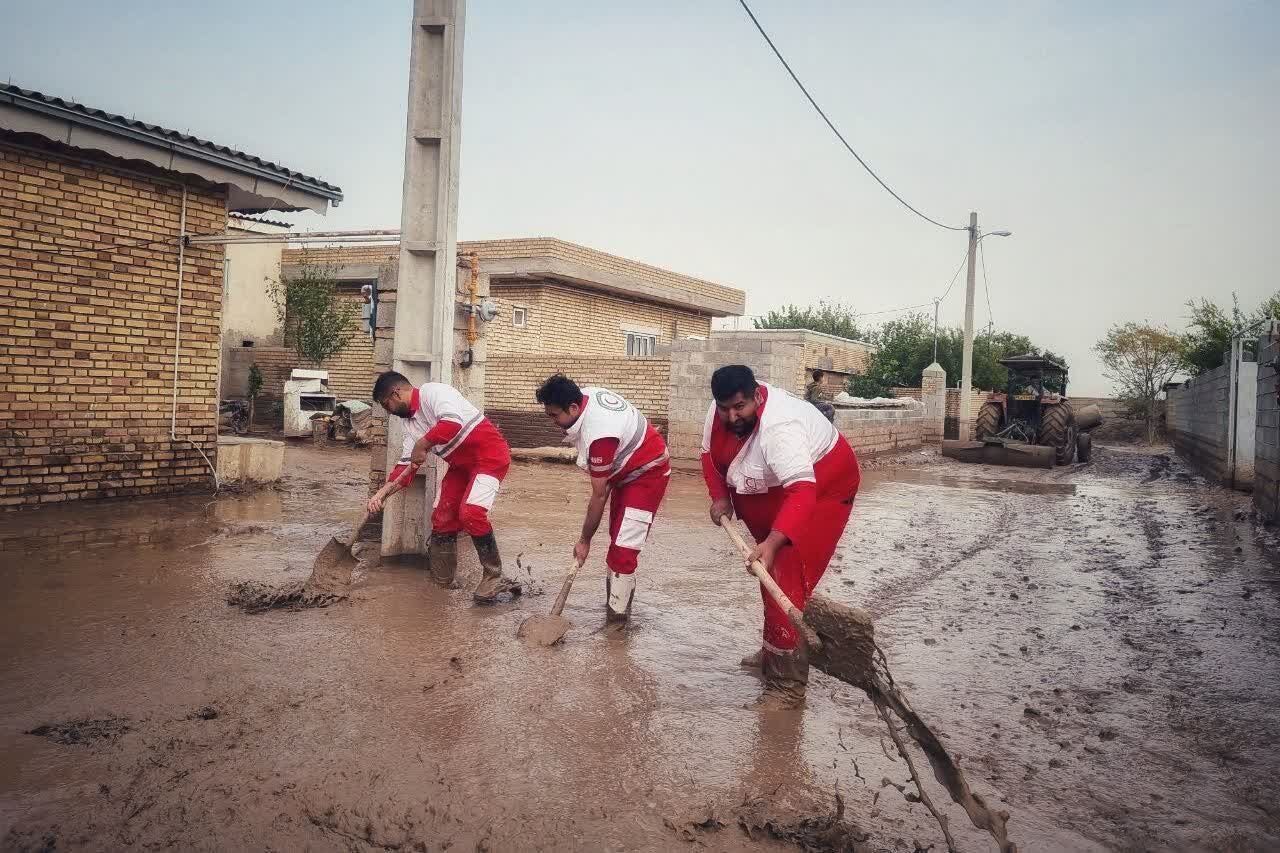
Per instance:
x=331, y=571
x=550, y=629
x=544, y=630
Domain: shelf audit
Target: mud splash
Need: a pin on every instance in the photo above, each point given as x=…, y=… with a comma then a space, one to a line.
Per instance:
x=82, y=732
x=328, y=583
x=842, y=643
x=761, y=818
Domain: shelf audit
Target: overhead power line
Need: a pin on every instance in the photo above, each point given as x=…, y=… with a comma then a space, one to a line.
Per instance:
x=836, y=130
x=955, y=277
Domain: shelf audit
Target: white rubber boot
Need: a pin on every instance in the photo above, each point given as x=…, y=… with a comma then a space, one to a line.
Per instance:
x=619, y=591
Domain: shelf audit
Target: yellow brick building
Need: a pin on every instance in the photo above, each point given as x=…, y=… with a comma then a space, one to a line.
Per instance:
x=95, y=322
x=600, y=318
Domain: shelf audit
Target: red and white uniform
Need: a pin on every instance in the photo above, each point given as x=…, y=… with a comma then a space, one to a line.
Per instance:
x=616, y=442
x=795, y=474
x=477, y=454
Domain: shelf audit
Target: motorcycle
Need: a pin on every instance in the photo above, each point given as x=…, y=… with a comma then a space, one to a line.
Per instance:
x=236, y=414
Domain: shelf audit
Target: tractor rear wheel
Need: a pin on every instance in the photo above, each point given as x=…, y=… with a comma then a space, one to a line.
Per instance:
x=988, y=422
x=1058, y=430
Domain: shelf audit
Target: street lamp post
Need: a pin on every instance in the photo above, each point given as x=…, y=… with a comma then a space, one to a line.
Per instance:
x=966, y=366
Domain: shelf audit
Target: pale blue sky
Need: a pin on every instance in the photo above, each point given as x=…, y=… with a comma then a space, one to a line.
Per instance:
x=1130, y=147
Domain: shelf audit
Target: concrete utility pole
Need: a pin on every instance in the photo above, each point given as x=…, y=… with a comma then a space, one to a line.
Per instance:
x=423, y=302
x=966, y=365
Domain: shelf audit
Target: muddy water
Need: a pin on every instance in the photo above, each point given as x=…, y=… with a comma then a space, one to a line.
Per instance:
x=1090, y=641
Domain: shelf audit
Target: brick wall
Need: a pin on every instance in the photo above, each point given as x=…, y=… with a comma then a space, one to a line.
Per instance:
x=951, y=422
x=562, y=250
x=351, y=371
x=87, y=337
x=560, y=319
x=510, y=383
x=376, y=255
x=534, y=247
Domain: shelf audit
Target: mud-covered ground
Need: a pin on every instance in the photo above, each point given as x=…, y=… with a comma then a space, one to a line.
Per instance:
x=1097, y=643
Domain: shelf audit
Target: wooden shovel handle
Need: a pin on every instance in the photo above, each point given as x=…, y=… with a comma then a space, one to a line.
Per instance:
x=757, y=568
x=564, y=589
x=355, y=534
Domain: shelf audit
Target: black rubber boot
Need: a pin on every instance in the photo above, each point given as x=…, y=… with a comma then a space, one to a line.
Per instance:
x=442, y=557
x=493, y=584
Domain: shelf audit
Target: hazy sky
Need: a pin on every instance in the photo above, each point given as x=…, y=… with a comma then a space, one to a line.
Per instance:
x=1131, y=147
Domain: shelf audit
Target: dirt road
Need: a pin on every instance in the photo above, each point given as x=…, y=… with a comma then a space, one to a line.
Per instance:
x=1098, y=643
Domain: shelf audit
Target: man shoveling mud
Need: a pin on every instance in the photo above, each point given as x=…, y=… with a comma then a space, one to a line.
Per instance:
x=628, y=463
x=780, y=466
x=438, y=419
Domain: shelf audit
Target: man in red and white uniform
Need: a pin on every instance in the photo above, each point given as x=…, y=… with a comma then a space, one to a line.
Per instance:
x=629, y=467
x=438, y=419
x=778, y=464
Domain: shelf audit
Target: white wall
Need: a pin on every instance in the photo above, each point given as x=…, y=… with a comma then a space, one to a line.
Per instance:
x=248, y=312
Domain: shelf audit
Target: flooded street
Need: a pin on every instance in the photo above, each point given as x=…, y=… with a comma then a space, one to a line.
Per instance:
x=1098, y=644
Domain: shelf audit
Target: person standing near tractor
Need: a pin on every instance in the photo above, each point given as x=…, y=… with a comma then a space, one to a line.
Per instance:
x=629, y=467
x=438, y=419
x=775, y=462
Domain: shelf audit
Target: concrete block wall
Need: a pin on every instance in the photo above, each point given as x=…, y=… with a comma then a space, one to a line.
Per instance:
x=87, y=335
x=1197, y=419
x=838, y=357
x=512, y=380
x=1266, y=460
x=875, y=431
x=693, y=362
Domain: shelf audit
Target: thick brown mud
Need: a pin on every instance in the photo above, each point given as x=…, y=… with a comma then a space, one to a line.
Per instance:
x=1095, y=645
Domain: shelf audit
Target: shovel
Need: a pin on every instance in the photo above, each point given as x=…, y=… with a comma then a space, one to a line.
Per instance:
x=842, y=644
x=331, y=571
x=550, y=629
x=328, y=583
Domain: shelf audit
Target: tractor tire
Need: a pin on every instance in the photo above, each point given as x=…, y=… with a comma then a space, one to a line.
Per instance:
x=1058, y=430
x=988, y=421
x=1084, y=447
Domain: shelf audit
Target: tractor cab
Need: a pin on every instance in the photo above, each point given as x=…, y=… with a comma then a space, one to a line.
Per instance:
x=1034, y=383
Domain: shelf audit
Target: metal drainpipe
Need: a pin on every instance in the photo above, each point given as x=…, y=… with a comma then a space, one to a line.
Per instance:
x=177, y=343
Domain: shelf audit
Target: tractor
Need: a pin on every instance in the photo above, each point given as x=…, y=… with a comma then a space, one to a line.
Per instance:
x=1032, y=423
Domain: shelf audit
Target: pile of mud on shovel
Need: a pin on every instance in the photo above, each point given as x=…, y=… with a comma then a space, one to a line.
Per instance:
x=841, y=641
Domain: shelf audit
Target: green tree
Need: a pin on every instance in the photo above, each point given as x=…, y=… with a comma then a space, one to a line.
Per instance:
x=905, y=348
x=1140, y=359
x=1211, y=329
x=317, y=322
x=255, y=388
x=831, y=318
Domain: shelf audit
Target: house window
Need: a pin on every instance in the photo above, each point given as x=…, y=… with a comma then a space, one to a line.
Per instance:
x=641, y=345
x=519, y=317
